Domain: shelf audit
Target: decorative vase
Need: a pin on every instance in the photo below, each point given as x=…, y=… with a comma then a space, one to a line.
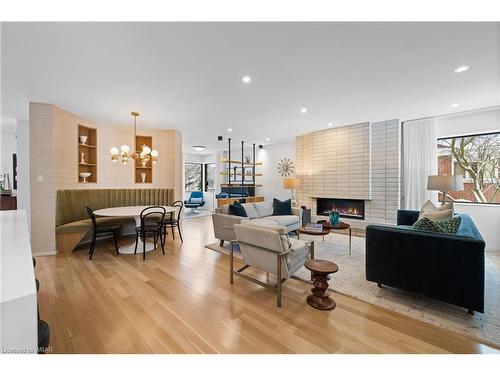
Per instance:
x=82, y=158
x=83, y=139
x=334, y=217
x=84, y=175
x=143, y=177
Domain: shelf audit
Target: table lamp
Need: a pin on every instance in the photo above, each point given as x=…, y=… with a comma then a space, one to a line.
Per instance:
x=445, y=184
x=291, y=183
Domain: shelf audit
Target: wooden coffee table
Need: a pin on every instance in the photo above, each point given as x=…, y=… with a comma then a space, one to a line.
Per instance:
x=303, y=230
x=320, y=298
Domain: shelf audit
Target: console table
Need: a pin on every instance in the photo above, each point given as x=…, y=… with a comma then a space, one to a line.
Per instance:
x=8, y=202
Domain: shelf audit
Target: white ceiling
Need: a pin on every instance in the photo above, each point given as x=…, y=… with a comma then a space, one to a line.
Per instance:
x=188, y=75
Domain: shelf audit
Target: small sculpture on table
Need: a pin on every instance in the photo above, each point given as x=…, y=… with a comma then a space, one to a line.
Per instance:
x=334, y=217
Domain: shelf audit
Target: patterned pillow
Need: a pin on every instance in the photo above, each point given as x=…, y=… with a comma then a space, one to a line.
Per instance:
x=436, y=213
x=448, y=226
x=427, y=225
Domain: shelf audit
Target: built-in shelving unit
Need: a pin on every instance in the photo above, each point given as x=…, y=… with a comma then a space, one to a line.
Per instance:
x=223, y=201
x=141, y=140
x=240, y=162
x=240, y=174
x=88, y=152
x=240, y=185
x=237, y=172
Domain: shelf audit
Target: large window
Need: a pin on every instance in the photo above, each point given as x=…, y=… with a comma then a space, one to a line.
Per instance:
x=193, y=176
x=477, y=158
x=210, y=177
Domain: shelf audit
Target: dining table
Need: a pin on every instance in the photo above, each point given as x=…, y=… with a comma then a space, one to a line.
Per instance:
x=135, y=212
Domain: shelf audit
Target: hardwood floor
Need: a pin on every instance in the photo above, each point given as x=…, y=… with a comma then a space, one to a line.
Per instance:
x=182, y=302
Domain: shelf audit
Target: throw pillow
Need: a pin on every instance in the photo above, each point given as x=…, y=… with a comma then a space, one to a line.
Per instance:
x=195, y=200
x=264, y=208
x=282, y=207
x=448, y=226
x=427, y=225
x=435, y=213
x=250, y=210
x=237, y=209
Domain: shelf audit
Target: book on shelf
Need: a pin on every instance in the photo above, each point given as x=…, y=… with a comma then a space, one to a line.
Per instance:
x=314, y=227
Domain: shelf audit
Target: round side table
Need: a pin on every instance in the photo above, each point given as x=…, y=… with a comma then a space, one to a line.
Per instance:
x=340, y=226
x=304, y=230
x=320, y=297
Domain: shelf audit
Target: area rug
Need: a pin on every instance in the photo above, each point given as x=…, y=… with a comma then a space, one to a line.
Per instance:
x=188, y=214
x=226, y=249
x=350, y=280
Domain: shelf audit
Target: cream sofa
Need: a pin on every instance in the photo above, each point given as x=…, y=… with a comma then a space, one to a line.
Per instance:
x=260, y=213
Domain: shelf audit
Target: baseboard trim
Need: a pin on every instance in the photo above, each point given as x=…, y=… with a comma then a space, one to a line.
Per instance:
x=45, y=253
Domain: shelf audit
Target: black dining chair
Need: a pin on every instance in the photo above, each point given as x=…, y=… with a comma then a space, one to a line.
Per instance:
x=174, y=222
x=101, y=231
x=150, y=225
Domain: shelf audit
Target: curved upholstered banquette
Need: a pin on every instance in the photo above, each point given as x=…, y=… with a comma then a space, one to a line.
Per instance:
x=72, y=222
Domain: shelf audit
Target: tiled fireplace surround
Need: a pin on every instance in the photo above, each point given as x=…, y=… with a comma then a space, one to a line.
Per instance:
x=358, y=162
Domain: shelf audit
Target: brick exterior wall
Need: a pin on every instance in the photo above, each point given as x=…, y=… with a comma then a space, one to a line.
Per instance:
x=445, y=168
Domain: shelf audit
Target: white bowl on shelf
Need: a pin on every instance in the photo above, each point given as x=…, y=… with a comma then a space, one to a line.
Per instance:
x=83, y=139
x=84, y=175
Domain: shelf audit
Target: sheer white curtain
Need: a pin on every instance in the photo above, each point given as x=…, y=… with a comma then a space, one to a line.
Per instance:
x=419, y=161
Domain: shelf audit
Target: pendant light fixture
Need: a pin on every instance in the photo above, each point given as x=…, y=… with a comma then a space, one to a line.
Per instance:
x=143, y=155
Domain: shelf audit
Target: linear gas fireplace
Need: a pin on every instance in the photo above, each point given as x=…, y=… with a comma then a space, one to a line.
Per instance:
x=348, y=208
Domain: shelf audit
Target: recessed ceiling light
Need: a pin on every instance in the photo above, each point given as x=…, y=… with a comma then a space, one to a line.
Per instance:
x=330, y=124
x=454, y=105
x=199, y=148
x=267, y=139
x=229, y=129
x=461, y=69
x=303, y=110
x=246, y=79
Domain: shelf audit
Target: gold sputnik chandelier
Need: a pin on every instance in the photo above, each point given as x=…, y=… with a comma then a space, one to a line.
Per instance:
x=144, y=155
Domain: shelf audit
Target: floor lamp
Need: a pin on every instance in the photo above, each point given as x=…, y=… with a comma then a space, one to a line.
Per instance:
x=445, y=184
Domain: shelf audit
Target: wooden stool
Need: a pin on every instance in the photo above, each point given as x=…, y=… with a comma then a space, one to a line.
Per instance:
x=320, y=297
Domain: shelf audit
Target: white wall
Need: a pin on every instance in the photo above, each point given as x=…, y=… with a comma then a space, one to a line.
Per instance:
x=23, y=168
x=9, y=147
x=486, y=217
x=271, y=180
x=476, y=122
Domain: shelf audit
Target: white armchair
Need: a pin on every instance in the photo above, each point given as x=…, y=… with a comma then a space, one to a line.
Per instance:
x=269, y=249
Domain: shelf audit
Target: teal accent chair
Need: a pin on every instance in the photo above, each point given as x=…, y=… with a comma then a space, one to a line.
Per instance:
x=195, y=201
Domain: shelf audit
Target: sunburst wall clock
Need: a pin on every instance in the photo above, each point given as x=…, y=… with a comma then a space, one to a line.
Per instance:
x=286, y=167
